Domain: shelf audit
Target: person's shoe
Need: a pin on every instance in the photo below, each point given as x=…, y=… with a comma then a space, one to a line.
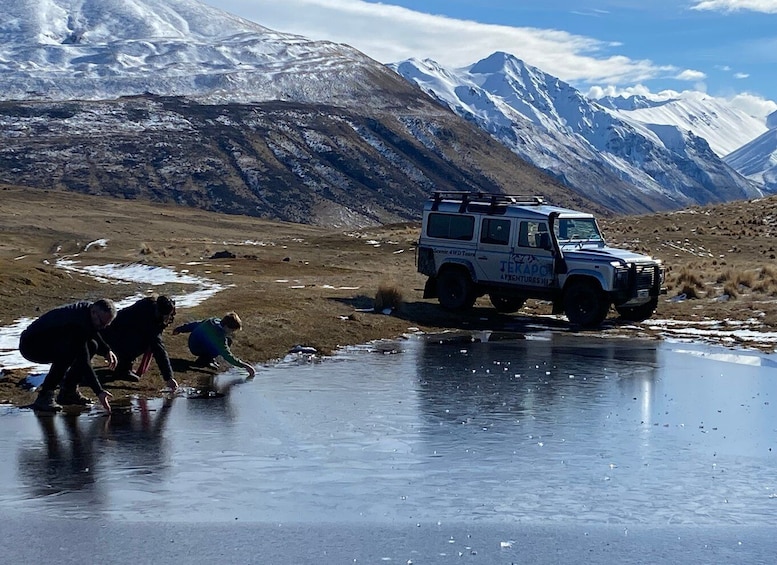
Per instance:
x=108, y=376
x=128, y=376
x=206, y=362
x=45, y=402
x=72, y=398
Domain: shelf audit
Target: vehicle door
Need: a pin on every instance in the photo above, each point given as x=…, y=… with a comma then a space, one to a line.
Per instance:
x=531, y=262
x=494, y=247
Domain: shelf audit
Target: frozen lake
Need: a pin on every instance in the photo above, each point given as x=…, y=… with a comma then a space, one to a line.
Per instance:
x=458, y=444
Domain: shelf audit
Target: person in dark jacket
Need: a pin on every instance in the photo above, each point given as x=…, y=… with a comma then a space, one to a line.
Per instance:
x=212, y=338
x=138, y=328
x=68, y=337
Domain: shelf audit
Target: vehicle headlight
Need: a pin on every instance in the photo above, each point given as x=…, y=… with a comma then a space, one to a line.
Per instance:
x=621, y=279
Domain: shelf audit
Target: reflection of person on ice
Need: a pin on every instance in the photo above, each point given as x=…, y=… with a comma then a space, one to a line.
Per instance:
x=137, y=329
x=68, y=337
x=212, y=338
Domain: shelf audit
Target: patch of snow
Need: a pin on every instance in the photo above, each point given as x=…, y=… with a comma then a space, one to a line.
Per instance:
x=96, y=243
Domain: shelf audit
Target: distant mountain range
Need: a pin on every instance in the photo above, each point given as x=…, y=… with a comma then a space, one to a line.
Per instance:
x=723, y=126
x=631, y=147
x=746, y=143
x=176, y=100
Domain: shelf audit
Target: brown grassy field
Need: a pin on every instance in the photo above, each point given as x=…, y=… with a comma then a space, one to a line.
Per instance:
x=302, y=285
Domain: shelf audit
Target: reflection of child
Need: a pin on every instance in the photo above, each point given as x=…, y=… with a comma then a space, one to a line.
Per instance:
x=211, y=338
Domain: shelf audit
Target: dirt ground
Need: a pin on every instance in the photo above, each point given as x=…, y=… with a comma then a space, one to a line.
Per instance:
x=302, y=285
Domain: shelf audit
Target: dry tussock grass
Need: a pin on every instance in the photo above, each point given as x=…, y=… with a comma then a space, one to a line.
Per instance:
x=699, y=280
x=710, y=252
x=688, y=279
x=731, y=289
x=388, y=296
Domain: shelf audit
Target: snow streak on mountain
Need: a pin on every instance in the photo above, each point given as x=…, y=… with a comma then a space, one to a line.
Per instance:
x=588, y=147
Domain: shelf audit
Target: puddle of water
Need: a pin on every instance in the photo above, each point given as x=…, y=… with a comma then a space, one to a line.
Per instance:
x=551, y=429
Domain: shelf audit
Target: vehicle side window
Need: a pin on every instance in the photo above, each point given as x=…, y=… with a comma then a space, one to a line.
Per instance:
x=496, y=232
x=450, y=226
x=533, y=234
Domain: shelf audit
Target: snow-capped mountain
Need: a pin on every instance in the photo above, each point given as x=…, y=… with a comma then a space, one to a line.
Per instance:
x=723, y=126
x=174, y=100
x=757, y=160
x=588, y=147
x=104, y=49
x=771, y=120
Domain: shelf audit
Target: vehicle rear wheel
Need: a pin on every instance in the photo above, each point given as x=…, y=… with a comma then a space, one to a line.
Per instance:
x=585, y=304
x=638, y=313
x=506, y=304
x=454, y=290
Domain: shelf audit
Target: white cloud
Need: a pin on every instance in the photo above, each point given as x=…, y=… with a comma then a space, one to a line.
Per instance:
x=391, y=33
x=753, y=105
x=597, y=92
x=764, y=6
x=741, y=75
x=689, y=74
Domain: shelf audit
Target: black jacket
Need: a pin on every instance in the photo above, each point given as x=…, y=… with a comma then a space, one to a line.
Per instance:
x=61, y=331
x=136, y=329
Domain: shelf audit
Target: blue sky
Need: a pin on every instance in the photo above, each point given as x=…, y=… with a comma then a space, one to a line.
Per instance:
x=726, y=48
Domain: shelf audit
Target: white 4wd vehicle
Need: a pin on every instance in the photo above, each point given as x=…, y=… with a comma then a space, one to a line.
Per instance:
x=513, y=248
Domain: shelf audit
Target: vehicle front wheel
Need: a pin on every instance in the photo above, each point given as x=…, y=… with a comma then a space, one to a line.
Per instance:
x=638, y=313
x=506, y=304
x=585, y=304
x=454, y=290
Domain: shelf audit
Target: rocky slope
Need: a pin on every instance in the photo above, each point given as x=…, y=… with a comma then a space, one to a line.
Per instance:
x=314, y=164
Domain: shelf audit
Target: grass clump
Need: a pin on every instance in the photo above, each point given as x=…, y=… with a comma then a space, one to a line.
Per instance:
x=388, y=297
x=731, y=289
x=689, y=282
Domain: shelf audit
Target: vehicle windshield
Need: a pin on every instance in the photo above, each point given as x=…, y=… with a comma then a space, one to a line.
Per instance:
x=577, y=230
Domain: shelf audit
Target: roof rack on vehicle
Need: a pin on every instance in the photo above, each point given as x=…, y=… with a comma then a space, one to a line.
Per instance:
x=466, y=197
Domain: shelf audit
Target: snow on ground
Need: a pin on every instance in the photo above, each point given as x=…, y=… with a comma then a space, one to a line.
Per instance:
x=726, y=332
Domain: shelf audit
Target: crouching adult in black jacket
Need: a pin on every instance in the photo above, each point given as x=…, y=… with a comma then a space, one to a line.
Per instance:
x=68, y=337
x=136, y=329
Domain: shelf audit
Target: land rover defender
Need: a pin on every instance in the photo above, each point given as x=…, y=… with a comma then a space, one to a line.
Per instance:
x=515, y=248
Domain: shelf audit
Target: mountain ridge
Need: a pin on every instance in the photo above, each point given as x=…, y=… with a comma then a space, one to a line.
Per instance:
x=552, y=125
x=322, y=165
